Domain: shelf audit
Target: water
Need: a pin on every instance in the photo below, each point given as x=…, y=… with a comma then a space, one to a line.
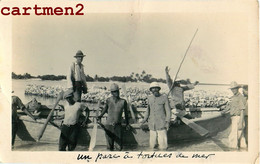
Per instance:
x=18, y=86
x=211, y=144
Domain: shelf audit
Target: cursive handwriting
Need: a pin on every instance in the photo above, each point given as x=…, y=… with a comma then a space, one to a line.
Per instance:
x=180, y=155
x=84, y=157
x=201, y=156
x=106, y=156
x=153, y=155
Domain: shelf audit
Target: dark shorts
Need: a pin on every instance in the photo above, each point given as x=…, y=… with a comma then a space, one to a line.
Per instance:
x=68, y=137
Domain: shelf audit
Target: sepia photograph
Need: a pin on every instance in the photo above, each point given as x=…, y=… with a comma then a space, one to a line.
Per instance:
x=148, y=83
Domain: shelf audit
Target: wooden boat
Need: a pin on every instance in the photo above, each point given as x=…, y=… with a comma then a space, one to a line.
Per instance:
x=210, y=119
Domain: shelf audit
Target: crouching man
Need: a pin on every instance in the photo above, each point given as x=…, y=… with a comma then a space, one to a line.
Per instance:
x=70, y=127
x=159, y=114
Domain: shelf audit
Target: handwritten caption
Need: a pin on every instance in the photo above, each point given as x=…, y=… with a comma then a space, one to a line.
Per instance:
x=141, y=155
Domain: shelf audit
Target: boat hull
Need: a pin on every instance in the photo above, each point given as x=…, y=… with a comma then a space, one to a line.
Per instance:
x=28, y=131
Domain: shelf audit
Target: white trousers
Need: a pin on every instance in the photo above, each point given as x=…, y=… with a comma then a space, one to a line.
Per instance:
x=161, y=135
x=236, y=137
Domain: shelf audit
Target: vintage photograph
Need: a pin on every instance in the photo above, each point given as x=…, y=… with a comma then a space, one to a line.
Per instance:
x=132, y=82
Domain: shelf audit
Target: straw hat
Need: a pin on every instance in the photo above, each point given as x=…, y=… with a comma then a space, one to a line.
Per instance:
x=234, y=85
x=79, y=54
x=154, y=85
x=114, y=87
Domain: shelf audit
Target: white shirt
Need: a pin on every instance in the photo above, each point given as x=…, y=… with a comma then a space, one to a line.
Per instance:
x=72, y=113
x=77, y=72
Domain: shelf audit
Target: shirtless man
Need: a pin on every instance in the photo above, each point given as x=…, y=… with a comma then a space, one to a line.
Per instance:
x=115, y=106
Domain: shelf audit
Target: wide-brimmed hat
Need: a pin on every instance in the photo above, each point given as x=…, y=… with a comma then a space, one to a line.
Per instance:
x=79, y=54
x=68, y=93
x=154, y=85
x=114, y=87
x=234, y=85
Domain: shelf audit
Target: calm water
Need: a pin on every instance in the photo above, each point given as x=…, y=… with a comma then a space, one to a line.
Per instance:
x=18, y=86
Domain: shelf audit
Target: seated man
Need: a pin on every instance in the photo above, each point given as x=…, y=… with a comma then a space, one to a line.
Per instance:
x=177, y=89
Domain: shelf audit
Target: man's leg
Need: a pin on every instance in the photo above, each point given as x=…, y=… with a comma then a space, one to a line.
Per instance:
x=74, y=131
x=233, y=136
x=77, y=91
x=109, y=137
x=153, y=138
x=118, y=137
x=162, y=139
x=63, y=142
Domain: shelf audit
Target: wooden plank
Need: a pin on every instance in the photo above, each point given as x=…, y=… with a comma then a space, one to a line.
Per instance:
x=197, y=128
x=48, y=119
x=93, y=138
x=129, y=103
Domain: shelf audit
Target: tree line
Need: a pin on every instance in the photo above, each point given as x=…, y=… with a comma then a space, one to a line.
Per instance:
x=133, y=77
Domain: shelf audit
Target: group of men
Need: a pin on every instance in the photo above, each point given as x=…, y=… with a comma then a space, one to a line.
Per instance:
x=158, y=114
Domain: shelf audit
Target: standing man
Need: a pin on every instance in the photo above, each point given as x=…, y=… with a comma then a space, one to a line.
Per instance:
x=158, y=114
x=177, y=92
x=17, y=104
x=76, y=78
x=237, y=108
x=70, y=127
x=245, y=93
x=115, y=106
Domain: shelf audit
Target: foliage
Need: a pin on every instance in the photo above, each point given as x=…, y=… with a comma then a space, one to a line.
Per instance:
x=133, y=77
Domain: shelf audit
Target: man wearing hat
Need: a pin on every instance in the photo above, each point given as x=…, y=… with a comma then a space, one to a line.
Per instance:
x=158, y=115
x=114, y=107
x=70, y=127
x=236, y=108
x=177, y=90
x=76, y=78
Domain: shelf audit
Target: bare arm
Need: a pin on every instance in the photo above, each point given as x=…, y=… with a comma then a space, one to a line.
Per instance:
x=104, y=110
x=146, y=114
x=85, y=112
x=126, y=113
x=189, y=86
x=18, y=102
x=168, y=77
x=167, y=110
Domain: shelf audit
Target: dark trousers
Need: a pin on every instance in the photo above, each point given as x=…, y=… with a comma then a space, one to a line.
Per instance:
x=68, y=137
x=14, y=130
x=114, y=137
x=77, y=91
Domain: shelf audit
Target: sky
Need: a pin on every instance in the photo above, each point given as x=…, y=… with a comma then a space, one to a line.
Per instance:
x=119, y=44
